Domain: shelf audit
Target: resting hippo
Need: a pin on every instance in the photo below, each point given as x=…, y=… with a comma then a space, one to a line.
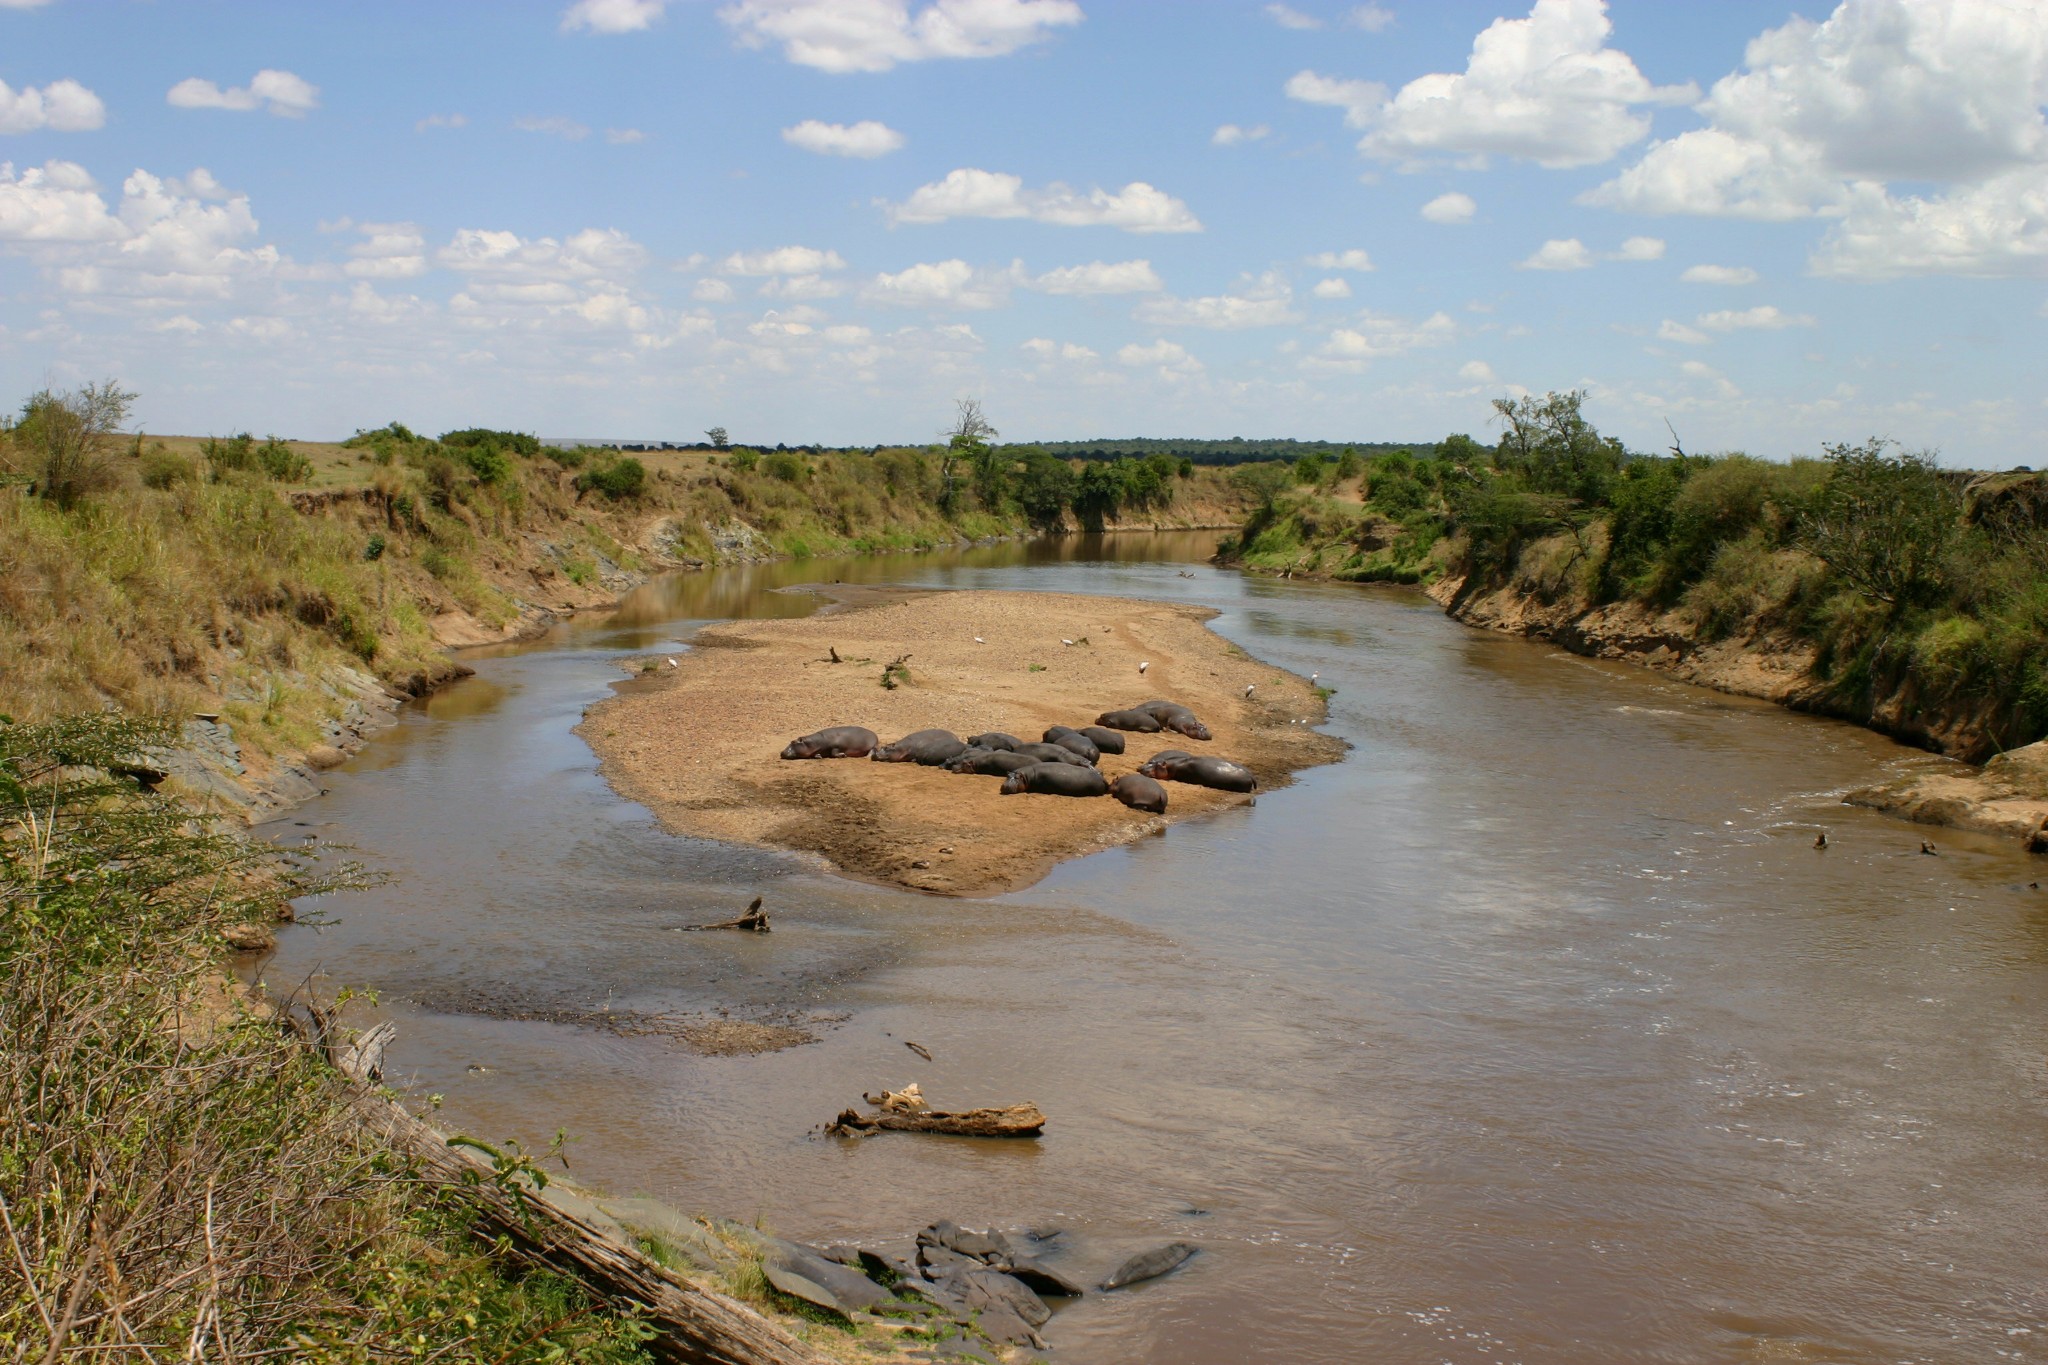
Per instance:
x=929, y=747
x=1106, y=741
x=1219, y=773
x=1054, y=753
x=1175, y=717
x=1056, y=779
x=841, y=741
x=1076, y=741
x=994, y=739
x=1139, y=793
x=988, y=762
x=1162, y=763
x=1138, y=722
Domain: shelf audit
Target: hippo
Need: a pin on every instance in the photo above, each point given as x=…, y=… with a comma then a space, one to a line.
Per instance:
x=1137, y=722
x=1173, y=716
x=1056, y=779
x=1105, y=741
x=1219, y=773
x=1054, y=753
x=1163, y=763
x=1076, y=741
x=1139, y=793
x=928, y=747
x=994, y=739
x=841, y=741
x=989, y=762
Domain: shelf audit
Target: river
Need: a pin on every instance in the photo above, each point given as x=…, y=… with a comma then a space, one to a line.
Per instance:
x=1536, y=1030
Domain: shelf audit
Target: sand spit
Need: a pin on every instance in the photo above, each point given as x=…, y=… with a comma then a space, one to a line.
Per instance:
x=698, y=744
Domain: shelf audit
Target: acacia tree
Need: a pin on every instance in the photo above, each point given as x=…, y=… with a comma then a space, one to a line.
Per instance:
x=68, y=438
x=719, y=438
x=966, y=442
x=1885, y=522
x=1549, y=442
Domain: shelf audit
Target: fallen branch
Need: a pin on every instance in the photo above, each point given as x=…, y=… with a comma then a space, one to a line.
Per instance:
x=755, y=919
x=1017, y=1121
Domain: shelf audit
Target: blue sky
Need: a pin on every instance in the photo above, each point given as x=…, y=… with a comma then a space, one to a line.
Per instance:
x=824, y=220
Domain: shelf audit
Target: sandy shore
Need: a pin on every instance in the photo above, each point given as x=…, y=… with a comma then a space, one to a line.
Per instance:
x=699, y=744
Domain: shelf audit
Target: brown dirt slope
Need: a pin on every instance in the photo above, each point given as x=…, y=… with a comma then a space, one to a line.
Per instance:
x=699, y=744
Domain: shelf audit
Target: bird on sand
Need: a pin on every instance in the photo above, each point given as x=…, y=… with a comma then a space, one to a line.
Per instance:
x=1248, y=690
x=673, y=664
x=978, y=640
x=1144, y=664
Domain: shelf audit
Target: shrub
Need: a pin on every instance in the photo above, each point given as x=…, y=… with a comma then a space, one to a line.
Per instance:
x=616, y=479
x=786, y=466
x=160, y=468
x=280, y=462
x=68, y=438
x=743, y=460
x=1884, y=522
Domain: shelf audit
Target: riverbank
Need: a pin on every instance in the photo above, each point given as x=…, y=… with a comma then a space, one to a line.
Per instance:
x=698, y=744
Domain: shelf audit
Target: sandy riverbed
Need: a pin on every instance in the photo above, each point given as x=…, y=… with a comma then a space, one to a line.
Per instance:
x=699, y=744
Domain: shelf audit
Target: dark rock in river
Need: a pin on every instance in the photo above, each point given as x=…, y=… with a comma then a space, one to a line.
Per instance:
x=1148, y=1265
x=805, y=1273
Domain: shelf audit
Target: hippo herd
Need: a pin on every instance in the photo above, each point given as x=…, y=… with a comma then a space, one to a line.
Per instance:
x=1061, y=763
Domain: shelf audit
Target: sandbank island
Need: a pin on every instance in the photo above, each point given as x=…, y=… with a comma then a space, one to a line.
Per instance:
x=699, y=743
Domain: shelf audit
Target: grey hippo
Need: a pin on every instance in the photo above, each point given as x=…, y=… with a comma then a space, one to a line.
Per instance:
x=1219, y=773
x=1056, y=779
x=994, y=739
x=1173, y=716
x=1108, y=741
x=928, y=747
x=989, y=762
x=1068, y=738
x=1139, y=793
x=1053, y=753
x=1138, y=722
x=841, y=741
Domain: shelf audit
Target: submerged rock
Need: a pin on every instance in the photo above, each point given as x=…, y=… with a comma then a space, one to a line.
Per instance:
x=1147, y=1265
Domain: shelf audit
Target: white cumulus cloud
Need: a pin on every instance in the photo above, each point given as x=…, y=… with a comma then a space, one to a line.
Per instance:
x=1450, y=208
x=1718, y=274
x=970, y=193
x=567, y=129
x=1232, y=135
x=865, y=139
x=1046, y=349
x=1477, y=372
x=1640, y=249
x=945, y=284
x=1764, y=317
x=275, y=92
x=875, y=35
x=1568, y=253
x=1545, y=88
x=1101, y=277
x=1371, y=17
x=441, y=121
x=1669, y=330
x=1353, y=259
x=1264, y=301
x=1289, y=17
x=61, y=106
x=782, y=260
x=388, y=251
x=1169, y=360
x=612, y=16
x=1377, y=336
x=1332, y=288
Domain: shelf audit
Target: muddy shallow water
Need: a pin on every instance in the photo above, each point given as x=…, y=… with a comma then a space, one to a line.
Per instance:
x=1535, y=1030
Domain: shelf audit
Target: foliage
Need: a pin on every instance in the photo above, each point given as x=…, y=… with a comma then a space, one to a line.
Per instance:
x=66, y=439
x=718, y=438
x=1045, y=488
x=181, y=1180
x=617, y=479
x=1884, y=522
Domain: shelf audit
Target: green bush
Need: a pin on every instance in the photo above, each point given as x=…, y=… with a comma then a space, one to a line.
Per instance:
x=786, y=466
x=743, y=460
x=616, y=479
x=280, y=462
x=160, y=468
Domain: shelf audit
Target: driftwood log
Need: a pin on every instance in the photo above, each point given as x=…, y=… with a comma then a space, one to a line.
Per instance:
x=1016, y=1121
x=691, y=1324
x=755, y=919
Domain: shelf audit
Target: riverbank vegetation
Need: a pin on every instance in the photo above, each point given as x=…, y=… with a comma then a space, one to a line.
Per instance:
x=239, y=576
x=1918, y=589
x=178, y=1178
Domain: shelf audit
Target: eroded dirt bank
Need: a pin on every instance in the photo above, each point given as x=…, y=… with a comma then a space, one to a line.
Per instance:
x=699, y=743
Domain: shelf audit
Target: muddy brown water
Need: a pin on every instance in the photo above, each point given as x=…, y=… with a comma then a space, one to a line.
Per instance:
x=1534, y=1031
